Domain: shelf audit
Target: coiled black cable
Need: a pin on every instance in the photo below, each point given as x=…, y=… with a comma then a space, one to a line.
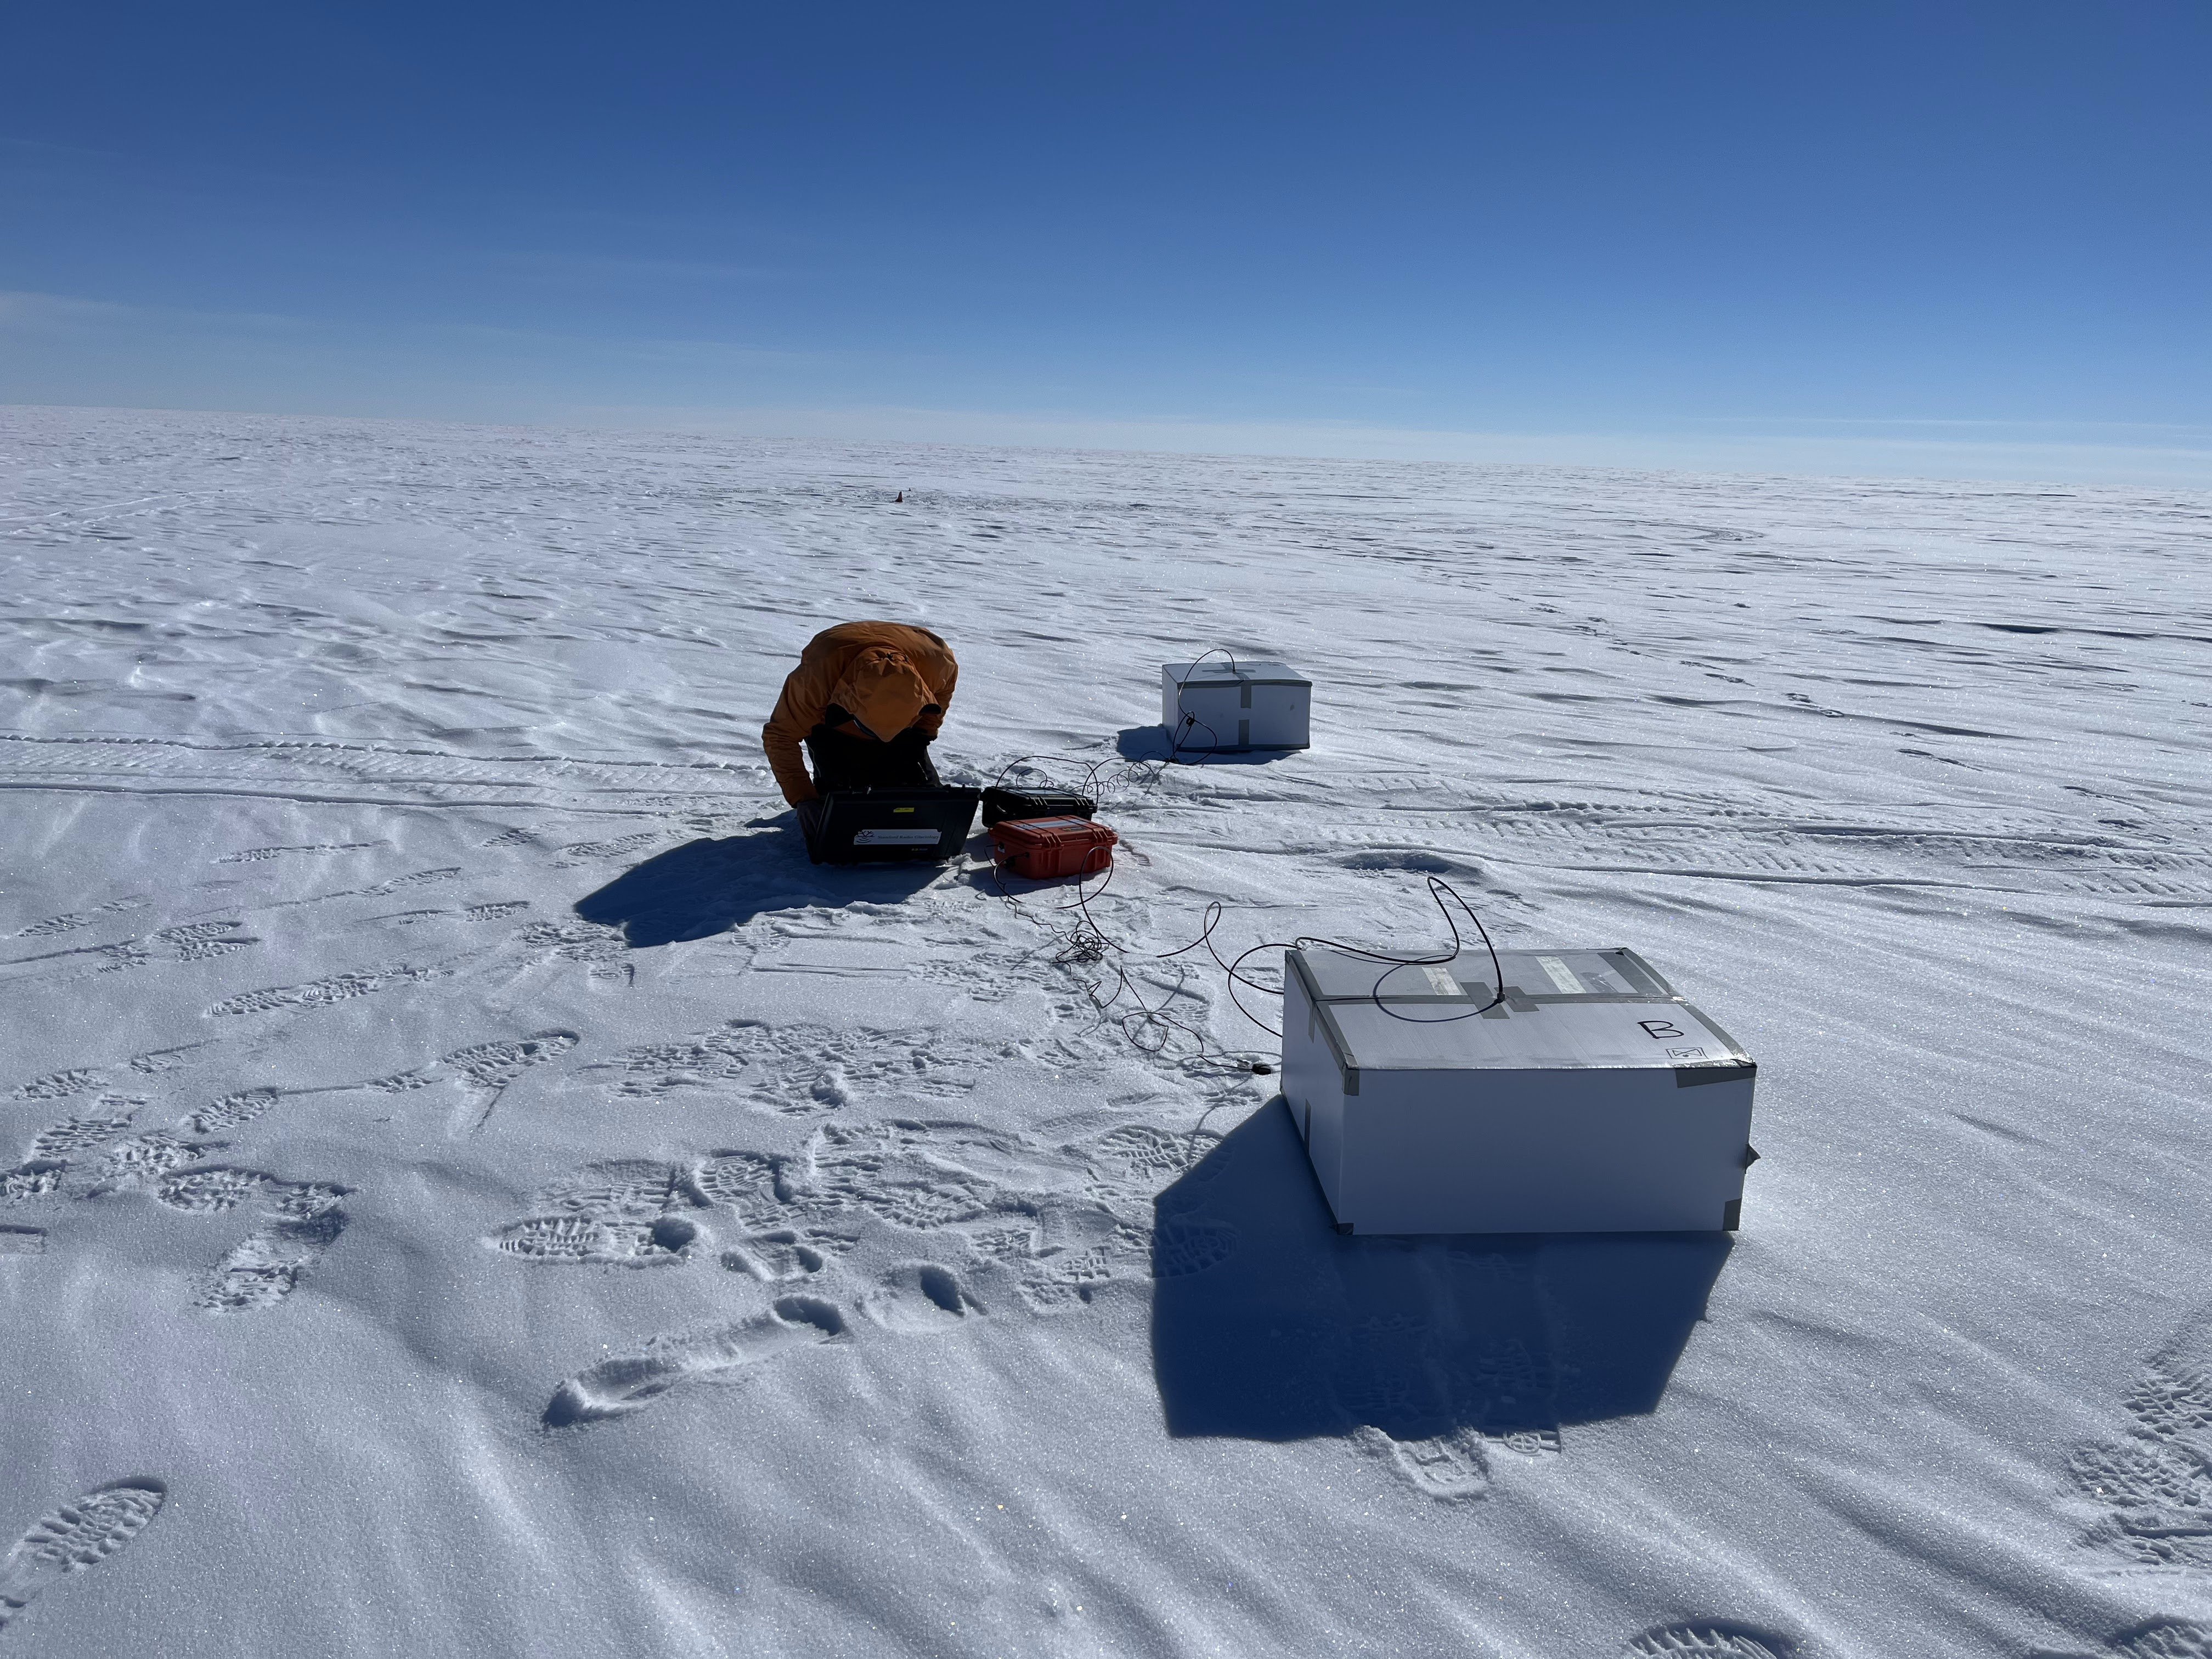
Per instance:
x=1438, y=889
x=1147, y=1025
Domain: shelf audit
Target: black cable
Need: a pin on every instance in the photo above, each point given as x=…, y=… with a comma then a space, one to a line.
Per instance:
x=1097, y=780
x=1437, y=889
x=1189, y=719
x=1087, y=941
x=1092, y=769
x=1209, y=651
x=1147, y=1026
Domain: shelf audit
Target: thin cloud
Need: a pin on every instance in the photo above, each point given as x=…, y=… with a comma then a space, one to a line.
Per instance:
x=21, y=310
x=28, y=311
x=606, y=269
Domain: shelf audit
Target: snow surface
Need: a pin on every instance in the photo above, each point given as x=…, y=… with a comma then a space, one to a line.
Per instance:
x=478, y=1190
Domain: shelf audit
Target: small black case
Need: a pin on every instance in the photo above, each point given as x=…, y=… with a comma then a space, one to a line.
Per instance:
x=1001, y=804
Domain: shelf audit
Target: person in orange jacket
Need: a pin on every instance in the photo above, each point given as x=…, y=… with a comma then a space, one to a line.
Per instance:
x=867, y=700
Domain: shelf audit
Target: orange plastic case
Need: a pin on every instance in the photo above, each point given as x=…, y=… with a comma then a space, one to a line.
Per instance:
x=1042, y=849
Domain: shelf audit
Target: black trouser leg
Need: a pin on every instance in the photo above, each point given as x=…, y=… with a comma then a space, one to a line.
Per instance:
x=847, y=763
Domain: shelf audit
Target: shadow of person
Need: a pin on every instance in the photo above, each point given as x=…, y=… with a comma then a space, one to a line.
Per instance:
x=1152, y=743
x=707, y=886
x=1268, y=1325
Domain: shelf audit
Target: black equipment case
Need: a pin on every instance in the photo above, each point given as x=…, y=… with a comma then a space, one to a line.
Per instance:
x=868, y=826
x=1002, y=804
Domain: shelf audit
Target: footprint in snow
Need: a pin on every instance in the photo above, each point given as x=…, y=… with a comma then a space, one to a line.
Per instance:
x=1451, y=1469
x=787, y=1253
x=1710, y=1642
x=483, y=1071
x=261, y=1270
x=623, y=1211
x=921, y=1297
x=74, y=1537
x=40, y=1174
x=2162, y=1640
x=2155, y=1484
x=614, y=1387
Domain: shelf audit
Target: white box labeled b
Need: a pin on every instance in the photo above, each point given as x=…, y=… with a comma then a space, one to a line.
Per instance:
x=1589, y=1098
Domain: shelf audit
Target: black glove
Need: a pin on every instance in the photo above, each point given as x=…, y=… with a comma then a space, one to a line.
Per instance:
x=911, y=744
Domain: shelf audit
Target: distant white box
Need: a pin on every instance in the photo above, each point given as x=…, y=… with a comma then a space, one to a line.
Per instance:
x=1219, y=704
x=1592, y=1099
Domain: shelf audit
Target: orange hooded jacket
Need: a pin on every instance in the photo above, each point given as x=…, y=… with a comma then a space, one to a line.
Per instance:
x=888, y=676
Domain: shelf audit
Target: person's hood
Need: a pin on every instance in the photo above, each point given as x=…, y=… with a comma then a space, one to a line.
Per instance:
x=883, y=690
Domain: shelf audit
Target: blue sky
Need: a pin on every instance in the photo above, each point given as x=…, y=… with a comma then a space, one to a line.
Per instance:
x=1933, y=237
